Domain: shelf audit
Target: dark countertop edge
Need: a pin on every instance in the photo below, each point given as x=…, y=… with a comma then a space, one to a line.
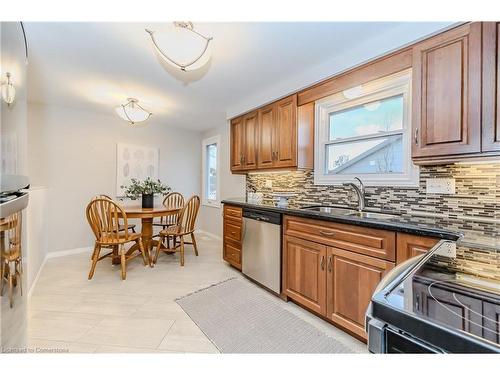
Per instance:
x=371, y=223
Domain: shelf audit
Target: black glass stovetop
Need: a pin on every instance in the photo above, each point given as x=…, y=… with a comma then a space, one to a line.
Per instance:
x=460, y=293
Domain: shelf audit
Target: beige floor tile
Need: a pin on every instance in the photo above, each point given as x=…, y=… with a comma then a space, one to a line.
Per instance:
x=129, y=332
x=186, y=328
x=128, y=349
x=54, y=302
x=59, y=329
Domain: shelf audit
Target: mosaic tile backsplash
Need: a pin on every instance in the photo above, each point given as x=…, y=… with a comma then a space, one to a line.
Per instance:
x=474, y=207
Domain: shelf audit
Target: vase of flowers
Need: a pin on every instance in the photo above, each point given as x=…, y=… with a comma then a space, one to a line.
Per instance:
x=146, y=190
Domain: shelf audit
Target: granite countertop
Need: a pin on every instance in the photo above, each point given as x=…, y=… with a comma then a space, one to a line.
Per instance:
x=405, y=223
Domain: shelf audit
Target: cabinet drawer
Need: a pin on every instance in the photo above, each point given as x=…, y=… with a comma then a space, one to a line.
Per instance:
x=232, y=254
x=232, y=230
x=232, y=212
x=374, y=242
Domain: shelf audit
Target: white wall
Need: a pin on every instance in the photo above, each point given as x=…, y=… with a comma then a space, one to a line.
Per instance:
x=73, y=153
x=231, y=186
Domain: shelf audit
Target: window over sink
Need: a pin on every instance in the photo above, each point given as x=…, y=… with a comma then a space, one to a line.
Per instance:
x=365, y=132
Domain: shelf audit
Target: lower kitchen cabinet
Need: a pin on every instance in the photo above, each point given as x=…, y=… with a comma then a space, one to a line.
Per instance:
x=491, y=316
x=351, y=281
x=304, y=273
x=409, y=246
x=232, y=235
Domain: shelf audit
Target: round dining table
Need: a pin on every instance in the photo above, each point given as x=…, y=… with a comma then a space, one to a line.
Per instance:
x=134, y=210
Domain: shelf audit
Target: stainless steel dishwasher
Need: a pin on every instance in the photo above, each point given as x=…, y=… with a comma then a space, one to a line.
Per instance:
x=262, y=247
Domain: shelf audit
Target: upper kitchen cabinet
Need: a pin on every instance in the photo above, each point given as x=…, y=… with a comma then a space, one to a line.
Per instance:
x=447, y=94
x=491, y=87
x=277, y=136
x=244, y=142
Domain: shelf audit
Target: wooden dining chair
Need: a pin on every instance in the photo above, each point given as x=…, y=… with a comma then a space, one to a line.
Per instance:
x=105, y=218
x=121, y=227
x=171, y=200
x=185, y=226
x=11, y=256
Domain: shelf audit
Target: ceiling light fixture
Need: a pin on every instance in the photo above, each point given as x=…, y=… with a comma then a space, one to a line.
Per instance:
x=198, y=61
x=132, y=111
x=8, y=91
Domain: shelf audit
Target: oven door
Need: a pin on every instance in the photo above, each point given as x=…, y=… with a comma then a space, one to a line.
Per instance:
x=396, y=342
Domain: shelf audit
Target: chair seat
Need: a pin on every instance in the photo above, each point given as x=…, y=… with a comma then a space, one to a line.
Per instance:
x=165, y=223
x=113, y=239
x=174, y=230
x=129, y=226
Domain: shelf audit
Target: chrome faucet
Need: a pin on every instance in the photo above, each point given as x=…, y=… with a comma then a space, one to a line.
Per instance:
x=360, y=191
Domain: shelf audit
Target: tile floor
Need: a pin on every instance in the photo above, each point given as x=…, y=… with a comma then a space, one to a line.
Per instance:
x=68, y=313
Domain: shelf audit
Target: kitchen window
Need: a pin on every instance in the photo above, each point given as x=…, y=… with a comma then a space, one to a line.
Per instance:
x=211, y=179
x=365, y=132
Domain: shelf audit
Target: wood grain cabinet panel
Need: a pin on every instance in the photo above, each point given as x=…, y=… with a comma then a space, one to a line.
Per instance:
x=267, y=137
x=491, y=87
x=232, y=235
x=286, y=132
x=237, y=136
x=250, y=145
x=447, y=93
x=409, y=246
x=368, y=241
x=351, y=281
x=304, y=273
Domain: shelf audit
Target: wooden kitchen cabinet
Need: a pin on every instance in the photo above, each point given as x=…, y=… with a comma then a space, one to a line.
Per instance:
x=446, y=111
x=409, y=246
x=491, y=87
x=232, y=235
x=351, y=281
x=277, y=136
x=304, y=273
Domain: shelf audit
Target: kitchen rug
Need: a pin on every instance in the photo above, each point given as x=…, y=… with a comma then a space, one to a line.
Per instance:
x=239, y=317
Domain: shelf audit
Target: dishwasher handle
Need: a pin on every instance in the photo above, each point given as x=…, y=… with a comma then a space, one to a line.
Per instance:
x=262, y=215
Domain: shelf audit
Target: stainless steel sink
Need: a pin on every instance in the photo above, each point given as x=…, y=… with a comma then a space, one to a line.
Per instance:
x=331, y=210
x=344, y=211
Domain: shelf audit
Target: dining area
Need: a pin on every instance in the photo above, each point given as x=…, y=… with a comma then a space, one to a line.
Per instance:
x=165, y=228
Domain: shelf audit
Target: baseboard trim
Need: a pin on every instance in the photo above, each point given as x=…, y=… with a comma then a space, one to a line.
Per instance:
x=55, y=254
x=63, y=253
x=209, y=234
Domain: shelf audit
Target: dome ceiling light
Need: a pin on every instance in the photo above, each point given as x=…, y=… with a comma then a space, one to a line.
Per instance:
x=132, y=111
x=200, y=58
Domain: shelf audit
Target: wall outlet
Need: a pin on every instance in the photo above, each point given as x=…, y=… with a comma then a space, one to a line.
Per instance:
x=440, y=186
x=269, y=184
x=447, y=249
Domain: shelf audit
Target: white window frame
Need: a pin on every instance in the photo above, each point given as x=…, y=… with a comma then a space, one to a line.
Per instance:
x=393, y=85
x=206, y=142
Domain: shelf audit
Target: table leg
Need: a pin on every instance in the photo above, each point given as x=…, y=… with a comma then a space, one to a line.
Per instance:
x=116, y=258
x=147, y=235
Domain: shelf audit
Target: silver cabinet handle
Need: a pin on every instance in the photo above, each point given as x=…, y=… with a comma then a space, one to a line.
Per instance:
x=324, y=233
x=323, y=263
x=416, y=136
x=330, y=264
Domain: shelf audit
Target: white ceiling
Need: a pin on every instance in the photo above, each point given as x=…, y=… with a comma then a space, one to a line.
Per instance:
x=96, y=66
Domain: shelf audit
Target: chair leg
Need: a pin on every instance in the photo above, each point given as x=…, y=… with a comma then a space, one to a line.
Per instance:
x=20, y=276
x=146, y=259
x=11, y=290
x=182, y=250
x=95, y=256
x=1, y=276
x=123, y=262
x=193, y=240
x=158, y=248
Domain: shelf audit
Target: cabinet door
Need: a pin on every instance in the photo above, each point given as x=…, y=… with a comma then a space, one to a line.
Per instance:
x=447, y=93
x=304, y=273
x=409, y=246
x=266, y=137
x=445, y=306
x=237, y=143
x=250, y=145
x=286, y=132
x=351, y=281
x=491, y=329
x=491, y=87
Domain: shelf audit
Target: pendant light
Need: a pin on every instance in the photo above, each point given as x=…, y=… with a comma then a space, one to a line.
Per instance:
x=132, y=111
x=8, y=91
x=198, y=59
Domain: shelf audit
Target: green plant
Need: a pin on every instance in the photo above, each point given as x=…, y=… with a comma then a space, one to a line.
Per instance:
x=148, y=186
